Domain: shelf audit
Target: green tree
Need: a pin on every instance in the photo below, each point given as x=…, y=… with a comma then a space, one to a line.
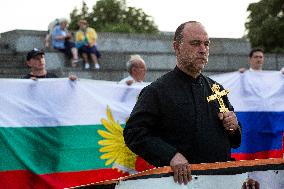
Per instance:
x=265, y=25
x=75, y=16
x=115, y=16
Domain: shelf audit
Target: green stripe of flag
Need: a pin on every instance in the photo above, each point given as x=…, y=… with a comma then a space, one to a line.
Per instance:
x=51, y=149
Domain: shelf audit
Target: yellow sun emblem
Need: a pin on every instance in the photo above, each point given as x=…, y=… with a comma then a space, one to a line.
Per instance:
x=113, y=146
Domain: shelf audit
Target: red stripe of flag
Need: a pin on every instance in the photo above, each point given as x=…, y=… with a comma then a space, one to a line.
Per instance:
x=258, y=155
x=22, y=179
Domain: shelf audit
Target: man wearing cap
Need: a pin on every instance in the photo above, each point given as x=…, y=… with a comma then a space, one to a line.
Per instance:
x=36, y=62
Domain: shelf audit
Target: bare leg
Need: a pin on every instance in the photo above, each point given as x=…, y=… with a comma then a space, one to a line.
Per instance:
x=74, y=60
x=47, y=40
x=85, y=58
x=94, y=58
x=74, y=53
x=95, y=61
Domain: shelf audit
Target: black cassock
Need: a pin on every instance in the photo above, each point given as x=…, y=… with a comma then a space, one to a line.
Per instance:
x=172, y=115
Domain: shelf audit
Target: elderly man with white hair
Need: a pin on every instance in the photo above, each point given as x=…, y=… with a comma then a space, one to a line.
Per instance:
x=136, y=68
x=61, y=40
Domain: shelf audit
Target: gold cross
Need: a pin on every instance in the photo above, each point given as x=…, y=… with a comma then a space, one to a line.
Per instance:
x=218, y=95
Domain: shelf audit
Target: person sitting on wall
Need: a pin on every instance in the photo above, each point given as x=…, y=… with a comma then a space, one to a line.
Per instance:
x=86, y=44
x=61, y=40
x=50, y=29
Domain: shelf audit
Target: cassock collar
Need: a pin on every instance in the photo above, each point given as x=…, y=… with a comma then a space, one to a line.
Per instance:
x=188, y=78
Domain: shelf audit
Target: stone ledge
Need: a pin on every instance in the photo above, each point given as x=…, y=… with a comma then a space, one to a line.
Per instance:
x=225, y=54
x=23, y=40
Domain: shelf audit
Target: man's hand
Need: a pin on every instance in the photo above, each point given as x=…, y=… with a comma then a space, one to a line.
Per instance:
x=72, y=77
x=181, y=169
x=230, y=121
x=242, y=70
x=129, y=82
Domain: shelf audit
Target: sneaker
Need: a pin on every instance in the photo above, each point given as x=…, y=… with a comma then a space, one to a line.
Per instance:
x=87, y=66
x=97, y=66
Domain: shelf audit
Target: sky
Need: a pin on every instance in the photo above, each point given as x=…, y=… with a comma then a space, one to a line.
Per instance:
x=222, y=18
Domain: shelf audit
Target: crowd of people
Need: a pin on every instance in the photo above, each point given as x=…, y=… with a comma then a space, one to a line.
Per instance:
x=171, y=124
x=82, y=44
x=81, y=47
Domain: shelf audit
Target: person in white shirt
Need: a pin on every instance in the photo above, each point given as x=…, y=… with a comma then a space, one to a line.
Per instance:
x=136, y=68
x=256, y=60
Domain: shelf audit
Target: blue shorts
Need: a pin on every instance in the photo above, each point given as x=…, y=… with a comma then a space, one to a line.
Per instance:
x=67, y=50
x=90, y=50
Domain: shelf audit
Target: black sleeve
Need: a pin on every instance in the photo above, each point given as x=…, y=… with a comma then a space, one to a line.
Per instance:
x=141, y=133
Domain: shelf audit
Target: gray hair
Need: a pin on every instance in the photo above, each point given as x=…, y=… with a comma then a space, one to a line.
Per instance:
x=131, y=61
x=61, y=20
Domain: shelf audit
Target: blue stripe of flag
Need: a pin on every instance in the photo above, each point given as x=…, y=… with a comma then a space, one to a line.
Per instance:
x=261, y=131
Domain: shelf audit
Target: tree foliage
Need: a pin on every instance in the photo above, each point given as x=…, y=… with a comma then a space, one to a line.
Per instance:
x=114, y=16
x=75, y=16
x=265, y=26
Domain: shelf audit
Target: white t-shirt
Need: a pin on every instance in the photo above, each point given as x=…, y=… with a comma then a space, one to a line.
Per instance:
x=129, y=78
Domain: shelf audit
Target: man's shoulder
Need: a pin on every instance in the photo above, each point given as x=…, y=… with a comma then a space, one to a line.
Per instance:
x=27, y=76
x=210, y=80
x=48, y=75
x=124, y=80
x=164, y=81
x=51, y=75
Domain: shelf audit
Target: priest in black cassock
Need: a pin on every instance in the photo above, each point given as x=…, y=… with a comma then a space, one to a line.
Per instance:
x=172, y=122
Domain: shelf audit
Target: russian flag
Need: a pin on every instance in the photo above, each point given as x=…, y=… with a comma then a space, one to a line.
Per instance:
x=258, y=99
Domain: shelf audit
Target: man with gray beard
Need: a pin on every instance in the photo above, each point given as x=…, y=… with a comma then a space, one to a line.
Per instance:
x=172, y=123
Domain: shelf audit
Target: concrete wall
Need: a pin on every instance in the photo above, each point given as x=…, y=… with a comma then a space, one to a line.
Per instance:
x=226, y=55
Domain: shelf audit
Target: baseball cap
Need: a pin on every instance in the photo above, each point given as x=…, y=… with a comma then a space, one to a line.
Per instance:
x=34, y=53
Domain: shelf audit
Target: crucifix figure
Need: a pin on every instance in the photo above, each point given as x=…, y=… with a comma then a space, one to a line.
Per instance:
x=217, y=94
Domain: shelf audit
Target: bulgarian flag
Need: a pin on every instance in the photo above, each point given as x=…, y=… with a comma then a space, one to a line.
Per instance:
x=258, y=99
x=55, y=133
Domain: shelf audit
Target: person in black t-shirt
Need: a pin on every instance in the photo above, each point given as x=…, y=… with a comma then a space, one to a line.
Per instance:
x=36, y=62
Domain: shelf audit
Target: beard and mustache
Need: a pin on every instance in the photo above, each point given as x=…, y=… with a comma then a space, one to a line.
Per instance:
x=193, y=63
